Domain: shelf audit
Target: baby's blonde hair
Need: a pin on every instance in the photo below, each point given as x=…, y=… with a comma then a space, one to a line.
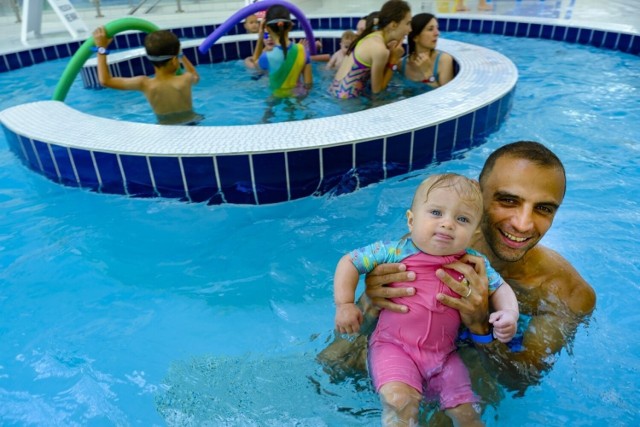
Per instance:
x=468, y=189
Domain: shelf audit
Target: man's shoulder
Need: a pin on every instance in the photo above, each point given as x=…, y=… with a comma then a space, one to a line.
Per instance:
x=562, y=278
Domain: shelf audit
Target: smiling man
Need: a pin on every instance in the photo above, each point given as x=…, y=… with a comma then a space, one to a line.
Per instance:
x=523, y=185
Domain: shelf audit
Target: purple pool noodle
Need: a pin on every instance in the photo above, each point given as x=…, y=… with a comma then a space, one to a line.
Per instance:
x=251, y=9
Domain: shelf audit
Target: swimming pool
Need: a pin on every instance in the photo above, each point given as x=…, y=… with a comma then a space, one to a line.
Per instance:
x=119, y=311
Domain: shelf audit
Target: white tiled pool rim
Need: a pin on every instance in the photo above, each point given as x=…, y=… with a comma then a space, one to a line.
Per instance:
x=270, y=163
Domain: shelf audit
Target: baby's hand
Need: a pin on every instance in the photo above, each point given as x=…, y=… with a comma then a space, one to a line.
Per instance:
x=505, y=324
x=348, y=318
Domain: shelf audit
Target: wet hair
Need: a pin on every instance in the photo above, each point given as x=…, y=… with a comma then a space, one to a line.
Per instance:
x=162, y=43
x=278, y=19
x=418, y=22
x=392, y=11
x=467, y=189
x=348, y=35
x=531, y=151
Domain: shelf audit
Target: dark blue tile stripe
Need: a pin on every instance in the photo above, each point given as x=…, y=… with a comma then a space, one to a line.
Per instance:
x=259, y=178
x=604, y=39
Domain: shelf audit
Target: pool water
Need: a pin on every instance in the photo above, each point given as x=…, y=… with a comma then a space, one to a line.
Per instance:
x=119, y=311
x=230, y=94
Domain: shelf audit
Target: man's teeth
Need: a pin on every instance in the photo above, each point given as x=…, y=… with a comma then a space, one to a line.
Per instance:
x=514, y=238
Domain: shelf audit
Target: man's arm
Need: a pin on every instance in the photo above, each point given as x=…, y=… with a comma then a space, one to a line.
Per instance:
x=552, y=293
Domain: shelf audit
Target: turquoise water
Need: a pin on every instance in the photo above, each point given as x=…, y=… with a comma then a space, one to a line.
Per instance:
x=117, y=311
x=230, y=94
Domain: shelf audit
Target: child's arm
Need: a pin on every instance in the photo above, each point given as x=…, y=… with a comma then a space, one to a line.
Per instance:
x=188, y=66
x=259, y=45
x=104, y=75
x=505, y=317
x=332, y=62
x=345, y=281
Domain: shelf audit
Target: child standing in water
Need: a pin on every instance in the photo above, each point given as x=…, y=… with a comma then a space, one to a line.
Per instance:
x=415, y=350
x=168, y=94
x=374, y=55
x=287, y=63
x=337, y=58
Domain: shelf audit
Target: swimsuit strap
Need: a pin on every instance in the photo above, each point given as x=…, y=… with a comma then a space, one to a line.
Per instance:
x=356, y=60
x=435, y=65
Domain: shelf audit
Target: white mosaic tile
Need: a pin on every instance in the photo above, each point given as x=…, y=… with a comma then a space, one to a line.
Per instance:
x=484, y=76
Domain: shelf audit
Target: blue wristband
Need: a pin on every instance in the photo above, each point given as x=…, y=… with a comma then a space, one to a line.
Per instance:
x=482, y=339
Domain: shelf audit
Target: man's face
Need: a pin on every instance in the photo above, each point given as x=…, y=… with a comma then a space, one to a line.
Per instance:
x=520, y=202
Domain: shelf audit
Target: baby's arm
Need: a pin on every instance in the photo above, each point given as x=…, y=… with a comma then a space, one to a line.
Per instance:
x=345, y=281
x=332, y=62
x=505, y=317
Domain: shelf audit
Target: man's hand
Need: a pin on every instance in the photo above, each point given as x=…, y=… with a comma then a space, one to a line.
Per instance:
x=378, y=291
x=473, y=290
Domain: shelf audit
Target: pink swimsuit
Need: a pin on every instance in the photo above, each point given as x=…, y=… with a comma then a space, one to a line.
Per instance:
x=418, y=347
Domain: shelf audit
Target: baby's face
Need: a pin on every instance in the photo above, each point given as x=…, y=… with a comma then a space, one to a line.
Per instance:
x=344, y=44
x=251, y=24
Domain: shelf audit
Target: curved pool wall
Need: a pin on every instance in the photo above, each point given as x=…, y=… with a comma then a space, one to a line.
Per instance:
x=241, y=164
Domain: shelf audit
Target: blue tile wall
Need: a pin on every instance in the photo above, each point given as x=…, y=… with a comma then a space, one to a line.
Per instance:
x=584, y=37
x=136, y=172
x=635, y=45
x=398, y=159
x=423, y=145
x=201, y=180
x=547, y=32
x=370, y=158
x=337, y=164
x=463, y=132
x=86, y=171
x=624, y=41
x=110, y=174
x=480, y=121
x=522, y=29
x=235, y=179
x=571, y=35
x=304, y=172
x=65, y=167
x=46, y=161
x=476, y=26
x=445, y=140
x=487, y=27
x=167, y=176
x=610, y=40
x=270, y=172
x=534, y=31
x=32, y=159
